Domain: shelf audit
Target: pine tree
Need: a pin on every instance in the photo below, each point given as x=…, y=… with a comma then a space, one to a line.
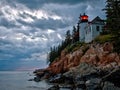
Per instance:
x=113, y=19
x=77, y=35
x=74, y=34
x=113, y=16
x=56, y=51
x=68, y=37
x=50, y=55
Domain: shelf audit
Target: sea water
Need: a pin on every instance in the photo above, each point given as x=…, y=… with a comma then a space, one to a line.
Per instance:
x=19, y=80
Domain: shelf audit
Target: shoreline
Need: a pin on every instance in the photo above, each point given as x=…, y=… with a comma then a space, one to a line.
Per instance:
x=84, y=76
x=92, y=65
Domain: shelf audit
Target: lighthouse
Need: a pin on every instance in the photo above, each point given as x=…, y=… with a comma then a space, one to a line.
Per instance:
x=89, y=30
x=83, y=22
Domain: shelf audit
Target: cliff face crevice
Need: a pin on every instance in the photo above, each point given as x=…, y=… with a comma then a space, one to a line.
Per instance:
x=100, y=55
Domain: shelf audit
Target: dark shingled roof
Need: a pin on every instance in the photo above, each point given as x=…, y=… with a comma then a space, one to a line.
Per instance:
x=97, y=20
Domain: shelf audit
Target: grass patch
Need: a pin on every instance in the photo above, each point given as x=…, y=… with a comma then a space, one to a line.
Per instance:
x=103, y=38
x=74, y=47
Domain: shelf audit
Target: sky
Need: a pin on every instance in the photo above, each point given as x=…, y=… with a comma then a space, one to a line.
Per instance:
x=28, y=28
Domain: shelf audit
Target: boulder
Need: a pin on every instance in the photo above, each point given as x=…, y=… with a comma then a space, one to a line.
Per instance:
x=109, y=86
x=81, y=70
x=93, y=84
x=56, y=79
x=113, y=76
x=108, y=47
x=37, y=79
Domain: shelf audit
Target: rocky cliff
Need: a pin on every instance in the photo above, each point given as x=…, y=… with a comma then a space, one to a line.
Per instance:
x=89, y=66
x=100, y=55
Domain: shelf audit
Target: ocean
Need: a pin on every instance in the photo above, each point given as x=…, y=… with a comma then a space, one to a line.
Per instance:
x=19, y=80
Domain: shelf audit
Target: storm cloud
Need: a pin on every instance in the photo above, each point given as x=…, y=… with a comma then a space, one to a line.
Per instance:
x=28, y=28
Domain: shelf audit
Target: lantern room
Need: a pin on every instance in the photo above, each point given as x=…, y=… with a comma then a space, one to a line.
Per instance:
x=83, y=18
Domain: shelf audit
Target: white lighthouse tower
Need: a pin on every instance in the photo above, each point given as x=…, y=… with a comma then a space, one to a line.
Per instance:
x=83, y=23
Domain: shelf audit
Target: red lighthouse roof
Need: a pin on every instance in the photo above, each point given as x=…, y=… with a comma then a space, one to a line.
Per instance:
x=84, y=18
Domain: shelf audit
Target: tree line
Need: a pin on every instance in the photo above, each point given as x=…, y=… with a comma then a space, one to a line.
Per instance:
x=70, y=38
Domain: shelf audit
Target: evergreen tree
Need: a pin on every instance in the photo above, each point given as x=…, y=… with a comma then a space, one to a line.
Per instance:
x=113, y=19
x=74, y=34
x=50, y=55
x=68, y=37
x=77, y=35
x=113, y=16
x=56, y=51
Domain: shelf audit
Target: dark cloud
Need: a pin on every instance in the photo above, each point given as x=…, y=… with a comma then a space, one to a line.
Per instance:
x=6, y=23
x=50, y=24
x=33, y=3
x=28, y=28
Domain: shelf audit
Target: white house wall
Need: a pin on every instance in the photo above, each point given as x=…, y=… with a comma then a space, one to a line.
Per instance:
x=94, y=30
x=88, y=32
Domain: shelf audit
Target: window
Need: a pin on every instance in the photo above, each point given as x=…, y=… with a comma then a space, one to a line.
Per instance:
x=97, y=28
